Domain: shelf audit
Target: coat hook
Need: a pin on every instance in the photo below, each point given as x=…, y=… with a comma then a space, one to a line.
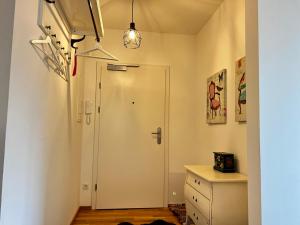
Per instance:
x=74, y=41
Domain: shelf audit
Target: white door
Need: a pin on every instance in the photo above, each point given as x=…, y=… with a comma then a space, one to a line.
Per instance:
x=131, y=160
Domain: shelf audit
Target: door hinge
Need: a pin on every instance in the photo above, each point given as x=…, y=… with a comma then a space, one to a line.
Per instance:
x=98, y=109
x=96, y=187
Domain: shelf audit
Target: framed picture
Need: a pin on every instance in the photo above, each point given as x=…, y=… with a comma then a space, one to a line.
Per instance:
x=216, y=98
x=240, y=91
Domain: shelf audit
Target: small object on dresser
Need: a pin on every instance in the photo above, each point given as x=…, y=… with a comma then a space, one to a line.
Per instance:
x=224, y=162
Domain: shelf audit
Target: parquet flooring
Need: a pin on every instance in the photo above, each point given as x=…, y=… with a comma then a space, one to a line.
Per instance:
x=114, y=217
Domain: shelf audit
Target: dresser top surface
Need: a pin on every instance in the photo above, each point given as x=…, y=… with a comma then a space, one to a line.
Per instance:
x=213, y=176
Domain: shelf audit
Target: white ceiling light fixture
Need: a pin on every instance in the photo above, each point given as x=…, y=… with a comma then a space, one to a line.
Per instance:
x=132, y=38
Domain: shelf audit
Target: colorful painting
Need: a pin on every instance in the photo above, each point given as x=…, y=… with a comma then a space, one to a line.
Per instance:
x=240, y=91
x=216, y=98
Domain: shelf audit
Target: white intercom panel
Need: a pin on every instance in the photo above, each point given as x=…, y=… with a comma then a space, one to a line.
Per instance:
x=80, y=110
x=88, y=107
x=88, y=110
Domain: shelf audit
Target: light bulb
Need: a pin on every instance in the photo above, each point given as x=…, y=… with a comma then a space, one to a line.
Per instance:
x=132, y=35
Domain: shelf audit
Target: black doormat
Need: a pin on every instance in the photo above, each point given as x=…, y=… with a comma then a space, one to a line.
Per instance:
x=157, y=222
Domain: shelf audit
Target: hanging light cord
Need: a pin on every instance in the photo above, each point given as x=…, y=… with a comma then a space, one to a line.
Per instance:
x=132, y=11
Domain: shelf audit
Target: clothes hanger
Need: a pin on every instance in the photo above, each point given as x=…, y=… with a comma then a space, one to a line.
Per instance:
x=98, y=48
x=52, y=56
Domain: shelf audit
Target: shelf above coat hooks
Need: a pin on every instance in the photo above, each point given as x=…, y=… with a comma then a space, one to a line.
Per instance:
x=83, y=24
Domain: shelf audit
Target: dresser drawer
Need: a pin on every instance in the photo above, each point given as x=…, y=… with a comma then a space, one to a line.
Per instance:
x=195, y=215
x=199, y=184
x=201, y=203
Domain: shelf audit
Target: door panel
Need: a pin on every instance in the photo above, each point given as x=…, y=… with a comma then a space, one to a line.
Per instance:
x=131, y=162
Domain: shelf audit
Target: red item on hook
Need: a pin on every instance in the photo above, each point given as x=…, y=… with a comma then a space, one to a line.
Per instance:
x=75, y=65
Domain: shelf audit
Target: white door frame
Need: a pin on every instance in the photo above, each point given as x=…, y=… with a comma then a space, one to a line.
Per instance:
x=99, y=71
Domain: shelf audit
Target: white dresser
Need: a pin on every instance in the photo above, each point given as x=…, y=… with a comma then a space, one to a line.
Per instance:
x=215, y=198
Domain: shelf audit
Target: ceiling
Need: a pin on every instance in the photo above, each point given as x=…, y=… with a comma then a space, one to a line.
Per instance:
x=163, y=16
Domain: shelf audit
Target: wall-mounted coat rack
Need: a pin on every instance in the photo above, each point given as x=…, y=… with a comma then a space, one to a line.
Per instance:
x=58, y=22
x=54, y=46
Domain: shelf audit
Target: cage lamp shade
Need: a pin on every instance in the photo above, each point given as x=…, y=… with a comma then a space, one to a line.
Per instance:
x=132, y=38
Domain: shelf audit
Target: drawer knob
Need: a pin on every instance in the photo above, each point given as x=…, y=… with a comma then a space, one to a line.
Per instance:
x=195, y=181
x=197, y=218
x=193, y=197
x=196, y=200
x=199, y=182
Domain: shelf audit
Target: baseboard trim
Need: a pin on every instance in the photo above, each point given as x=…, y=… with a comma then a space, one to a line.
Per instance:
x=75, y=215
x=85, y=208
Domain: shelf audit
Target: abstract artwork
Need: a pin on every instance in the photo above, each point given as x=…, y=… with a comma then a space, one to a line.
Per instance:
x=240, y=91
x=216, y=98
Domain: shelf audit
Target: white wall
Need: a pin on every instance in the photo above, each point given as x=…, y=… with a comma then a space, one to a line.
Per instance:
x=42, y=154
x=7, y=9
x=279, y=60
x=254, y=182
x=178, y=51
x=220, y=44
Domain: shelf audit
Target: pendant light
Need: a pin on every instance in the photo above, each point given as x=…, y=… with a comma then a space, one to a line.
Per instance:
x=132, y=38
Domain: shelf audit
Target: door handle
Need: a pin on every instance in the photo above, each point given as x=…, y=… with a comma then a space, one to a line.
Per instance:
x=158, y=135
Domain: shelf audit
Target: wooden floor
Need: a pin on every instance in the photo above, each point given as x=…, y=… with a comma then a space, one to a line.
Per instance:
x=114, y=217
